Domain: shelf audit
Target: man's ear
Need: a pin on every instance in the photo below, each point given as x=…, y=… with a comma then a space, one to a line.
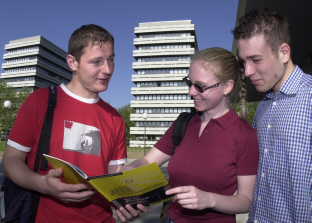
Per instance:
x=229, y=86
x=284, y=52
x=72, y=62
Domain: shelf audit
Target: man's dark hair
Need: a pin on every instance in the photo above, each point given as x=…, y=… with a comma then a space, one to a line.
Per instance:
x=274, y=27
x=85, y=35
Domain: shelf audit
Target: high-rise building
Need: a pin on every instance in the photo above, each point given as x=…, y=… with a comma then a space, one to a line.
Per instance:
x=162, y=53
x=34, y=62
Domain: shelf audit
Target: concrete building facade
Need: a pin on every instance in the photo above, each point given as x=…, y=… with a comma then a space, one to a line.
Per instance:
x=34, y=62
x=162, y=53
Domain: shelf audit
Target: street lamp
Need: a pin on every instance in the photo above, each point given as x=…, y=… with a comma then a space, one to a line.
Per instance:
x=144, y=117
x=7, y=104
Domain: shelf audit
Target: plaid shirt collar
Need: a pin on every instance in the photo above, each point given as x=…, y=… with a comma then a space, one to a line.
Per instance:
x=291, y=86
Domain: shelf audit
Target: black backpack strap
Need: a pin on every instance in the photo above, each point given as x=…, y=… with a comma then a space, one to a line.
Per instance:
x=44, y=143
x=181, y=125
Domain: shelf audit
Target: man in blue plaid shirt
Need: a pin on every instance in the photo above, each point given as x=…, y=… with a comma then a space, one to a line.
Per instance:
x=283, y=119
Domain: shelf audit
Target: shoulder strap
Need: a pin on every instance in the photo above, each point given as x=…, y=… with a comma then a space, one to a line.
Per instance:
x=44, y=143
x=181, y=125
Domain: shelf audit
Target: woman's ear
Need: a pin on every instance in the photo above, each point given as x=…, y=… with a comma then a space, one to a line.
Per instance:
x=228, y=87
x=72, y=62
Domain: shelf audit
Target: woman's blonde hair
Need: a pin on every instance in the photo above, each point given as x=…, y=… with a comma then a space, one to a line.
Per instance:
x=225, y=64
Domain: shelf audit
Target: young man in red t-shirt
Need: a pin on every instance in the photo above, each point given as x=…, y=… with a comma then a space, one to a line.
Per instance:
x=86, y=131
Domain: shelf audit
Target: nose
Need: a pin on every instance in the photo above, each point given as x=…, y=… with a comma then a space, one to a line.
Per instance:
x=192, y=91
x=108, y=67
x=249, y=69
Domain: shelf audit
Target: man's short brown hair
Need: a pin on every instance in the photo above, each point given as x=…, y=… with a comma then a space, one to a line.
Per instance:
x=85, y=35
x=273, y=26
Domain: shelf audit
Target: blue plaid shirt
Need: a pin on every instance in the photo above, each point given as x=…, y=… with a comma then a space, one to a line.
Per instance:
x=284, y=181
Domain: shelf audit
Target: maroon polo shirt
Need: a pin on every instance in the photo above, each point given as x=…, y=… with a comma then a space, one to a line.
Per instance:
x=226, y=149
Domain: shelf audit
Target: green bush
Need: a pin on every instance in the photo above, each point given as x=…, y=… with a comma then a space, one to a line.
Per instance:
x=251, y=110
x=2, y=146
x=8, y=114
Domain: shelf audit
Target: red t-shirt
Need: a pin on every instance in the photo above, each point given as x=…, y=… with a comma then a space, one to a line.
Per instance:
x=87, y=132
x=226, y=149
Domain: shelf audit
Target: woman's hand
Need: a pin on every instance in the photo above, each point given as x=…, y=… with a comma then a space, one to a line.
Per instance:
x=192, y=198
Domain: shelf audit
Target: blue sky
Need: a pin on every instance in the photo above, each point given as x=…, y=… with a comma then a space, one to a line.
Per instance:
x=55, y=20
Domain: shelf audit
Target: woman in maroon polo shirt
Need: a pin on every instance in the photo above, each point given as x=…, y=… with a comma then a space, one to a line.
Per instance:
x=212, y=172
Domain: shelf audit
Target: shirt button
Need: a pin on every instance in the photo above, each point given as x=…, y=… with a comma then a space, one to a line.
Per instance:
x=269, y=126
x=274, y=103
x=259, y=198
x=262, y=174
x=265, y=150
x=256, y=221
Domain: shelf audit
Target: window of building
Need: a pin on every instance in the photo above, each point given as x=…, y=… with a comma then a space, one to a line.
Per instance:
x=161, y=110
x=161, y=35
x=163, y=59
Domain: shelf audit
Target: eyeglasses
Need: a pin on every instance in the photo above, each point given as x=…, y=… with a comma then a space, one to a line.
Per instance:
x=198, y=87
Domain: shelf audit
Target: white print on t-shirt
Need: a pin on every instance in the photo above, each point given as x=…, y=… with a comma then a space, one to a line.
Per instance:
x=81, y=138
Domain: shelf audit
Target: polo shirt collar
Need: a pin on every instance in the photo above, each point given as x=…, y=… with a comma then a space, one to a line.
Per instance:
x=223, y=121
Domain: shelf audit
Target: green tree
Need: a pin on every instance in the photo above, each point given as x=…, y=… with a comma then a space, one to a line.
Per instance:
x=125, y=112
x=245, y=101
x=8, y=113
x=249, y=109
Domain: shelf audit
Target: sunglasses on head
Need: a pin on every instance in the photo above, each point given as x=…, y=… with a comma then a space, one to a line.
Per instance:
x=199, y=87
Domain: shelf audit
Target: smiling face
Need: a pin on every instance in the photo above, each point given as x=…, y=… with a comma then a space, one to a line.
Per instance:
x=91, y=74
x=213, y=100
x=265, y=68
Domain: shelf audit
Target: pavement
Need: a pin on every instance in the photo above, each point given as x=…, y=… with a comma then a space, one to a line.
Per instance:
x=152, y=216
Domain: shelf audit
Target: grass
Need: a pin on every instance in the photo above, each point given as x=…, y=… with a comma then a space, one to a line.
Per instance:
x=137, y=149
